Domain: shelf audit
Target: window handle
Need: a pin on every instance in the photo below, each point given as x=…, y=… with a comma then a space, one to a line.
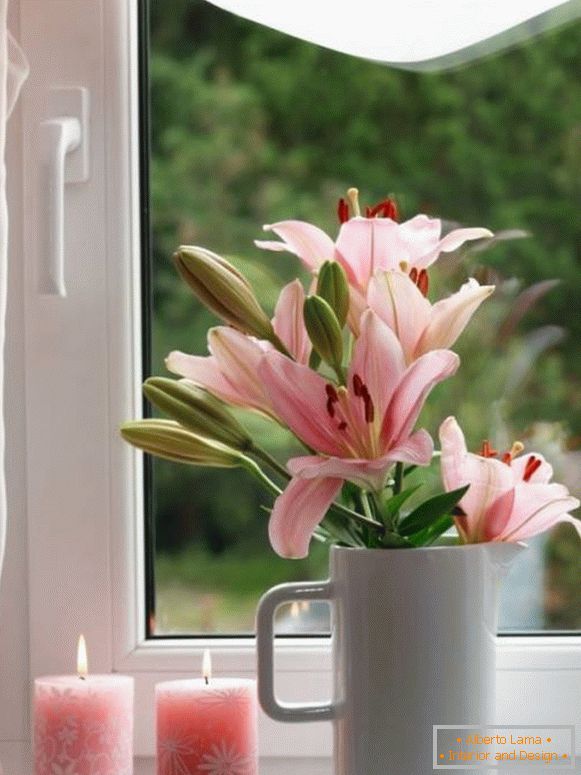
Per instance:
x=63, y=148
x=58, y=137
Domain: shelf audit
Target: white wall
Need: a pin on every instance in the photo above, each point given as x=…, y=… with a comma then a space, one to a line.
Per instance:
x=14, y=691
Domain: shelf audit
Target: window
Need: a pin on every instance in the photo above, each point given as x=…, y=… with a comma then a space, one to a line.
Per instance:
x=250, y=126
x=84, y=353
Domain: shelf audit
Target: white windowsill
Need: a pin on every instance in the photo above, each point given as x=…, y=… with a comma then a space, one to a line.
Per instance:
x=15, y=759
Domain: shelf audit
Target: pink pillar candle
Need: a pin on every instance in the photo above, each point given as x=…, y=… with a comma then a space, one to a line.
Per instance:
x=83, y=726
x=207, y=728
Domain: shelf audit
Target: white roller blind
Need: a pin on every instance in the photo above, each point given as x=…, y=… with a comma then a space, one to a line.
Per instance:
x=418, y=34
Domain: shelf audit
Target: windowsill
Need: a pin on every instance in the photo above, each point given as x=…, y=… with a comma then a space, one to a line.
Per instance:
x=15, y=759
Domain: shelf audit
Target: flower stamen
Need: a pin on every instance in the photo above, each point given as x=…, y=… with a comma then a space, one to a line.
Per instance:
x=420, y=279
x=343, y=210
x=533, y=464
x=332, y=399
x=387, y=208
x=486, y=450
x=353, y=197
x=515, y=450
x=360, y=390
x=423, y=282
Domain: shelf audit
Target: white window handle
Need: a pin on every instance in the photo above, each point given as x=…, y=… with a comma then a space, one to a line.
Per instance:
x=58, y=137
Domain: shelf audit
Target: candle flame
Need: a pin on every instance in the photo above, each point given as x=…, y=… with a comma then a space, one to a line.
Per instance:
x=82, y=662
x=207, y=666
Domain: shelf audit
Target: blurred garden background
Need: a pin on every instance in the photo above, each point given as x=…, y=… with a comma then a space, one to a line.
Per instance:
x=249, y=126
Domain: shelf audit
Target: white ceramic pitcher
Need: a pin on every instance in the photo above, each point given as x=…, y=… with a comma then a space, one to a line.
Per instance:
x=413, y=641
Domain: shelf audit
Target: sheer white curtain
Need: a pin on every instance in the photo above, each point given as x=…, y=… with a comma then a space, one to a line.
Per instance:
x=13, y=71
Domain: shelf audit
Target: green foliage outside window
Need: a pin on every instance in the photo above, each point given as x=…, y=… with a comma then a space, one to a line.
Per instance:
x=249, y=127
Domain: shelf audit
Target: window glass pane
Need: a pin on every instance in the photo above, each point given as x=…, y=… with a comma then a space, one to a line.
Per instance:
x=249, y=126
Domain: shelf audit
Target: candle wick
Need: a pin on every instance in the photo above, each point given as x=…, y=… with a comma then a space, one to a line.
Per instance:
x=207, y=680
x=82, y=677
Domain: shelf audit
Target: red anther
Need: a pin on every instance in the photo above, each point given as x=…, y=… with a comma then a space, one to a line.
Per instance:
x=331, y=392
x=343, y=210
x=414, y=275
x=390, y=210
x=342, y=425
x=507, y=458
x=533, y=464
x=369, y=408
x=423, y=282
x=357, y=385
x=387, y=208
x=486, y=450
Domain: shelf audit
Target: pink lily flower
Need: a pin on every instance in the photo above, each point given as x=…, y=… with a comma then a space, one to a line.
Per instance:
x=366, y=245
x=230, y=372
x=419, y=325
x=359, y=430
x=509, y=499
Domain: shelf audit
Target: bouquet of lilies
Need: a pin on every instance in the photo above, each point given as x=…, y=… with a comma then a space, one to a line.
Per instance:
x=347, y=367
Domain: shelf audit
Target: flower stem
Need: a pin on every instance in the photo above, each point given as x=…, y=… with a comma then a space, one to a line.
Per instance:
x=398, y=478
x=256, y=471
x=270, y=461
x=365, y=502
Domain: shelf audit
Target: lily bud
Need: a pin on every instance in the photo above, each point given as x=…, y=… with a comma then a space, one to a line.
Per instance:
x=324, y=331
x=223, y=290
x=167, y=439
x=197, y=410
x=332, y=286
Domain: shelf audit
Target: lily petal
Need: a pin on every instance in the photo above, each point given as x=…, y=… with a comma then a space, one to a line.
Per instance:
x=288, y=322
x=365, y=245
x=369, y=474
x=298, y=395
x=378, y=360
x=538, y=507
x=417, y=382
x=297, y=512
x=308, y=242
x=490, y=480
x=449, y=317
x=421, y=235
x=230, y=372
x=451, y=242
x=357, y=306
x=417, y=449
x=401, y=305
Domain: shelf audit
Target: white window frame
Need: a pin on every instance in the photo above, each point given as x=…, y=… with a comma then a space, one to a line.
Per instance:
x=83, y=358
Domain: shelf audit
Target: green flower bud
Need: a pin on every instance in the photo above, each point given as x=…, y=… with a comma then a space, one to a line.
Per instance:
x=332, y=286
x=197, y=410
x=223, y=290
x=167, y=439
x=324, y=331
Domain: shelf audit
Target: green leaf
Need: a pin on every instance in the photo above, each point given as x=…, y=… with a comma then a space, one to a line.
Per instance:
x=394, y=504
x=429, y=511
x=434, y=531
x=390, y=540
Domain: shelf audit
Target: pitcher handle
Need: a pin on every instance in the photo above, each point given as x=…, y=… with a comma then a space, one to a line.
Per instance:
x=285, y=593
